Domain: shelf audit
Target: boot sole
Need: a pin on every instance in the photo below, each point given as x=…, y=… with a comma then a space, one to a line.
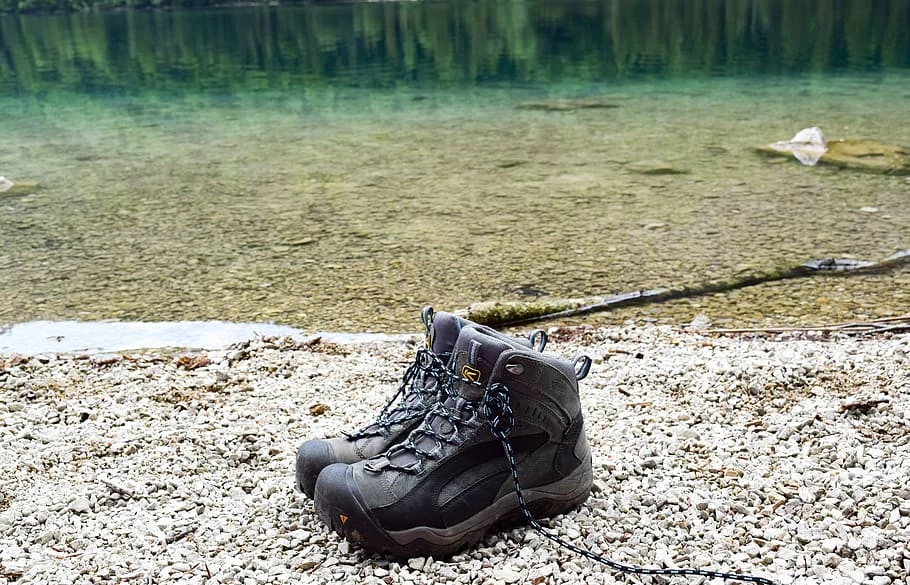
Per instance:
x=346, y=514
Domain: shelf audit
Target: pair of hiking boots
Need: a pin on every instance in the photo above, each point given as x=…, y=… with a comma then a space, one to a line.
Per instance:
x=439, y=469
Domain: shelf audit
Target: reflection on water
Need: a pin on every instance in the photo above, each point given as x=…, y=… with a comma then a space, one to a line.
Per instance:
x=402, y=44
x=339, y=167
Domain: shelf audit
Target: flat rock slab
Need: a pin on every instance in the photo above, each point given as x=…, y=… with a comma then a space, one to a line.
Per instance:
x=566, y=105
x=858, y=154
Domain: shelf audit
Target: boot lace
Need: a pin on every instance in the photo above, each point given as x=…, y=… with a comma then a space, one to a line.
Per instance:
x=443, y=425
x=498, y=413
x=413, y=394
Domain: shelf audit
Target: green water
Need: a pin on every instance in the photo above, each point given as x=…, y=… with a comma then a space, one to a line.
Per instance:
x=338, y=167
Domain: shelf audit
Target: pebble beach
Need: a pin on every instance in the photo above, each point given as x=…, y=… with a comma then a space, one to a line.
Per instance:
x=783, y=456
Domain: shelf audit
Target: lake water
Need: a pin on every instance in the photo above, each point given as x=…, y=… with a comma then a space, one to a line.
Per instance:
x=338, y=167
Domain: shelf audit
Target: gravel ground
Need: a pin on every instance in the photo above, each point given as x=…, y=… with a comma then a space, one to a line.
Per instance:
x=784, y=457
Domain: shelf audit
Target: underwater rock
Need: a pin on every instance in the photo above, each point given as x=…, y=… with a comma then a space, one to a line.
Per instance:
x=858, y=154
x=11, y=189
x=655, y=167
x=567, y=105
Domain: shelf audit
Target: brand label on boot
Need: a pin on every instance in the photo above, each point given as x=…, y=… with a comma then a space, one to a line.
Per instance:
x=471, y=373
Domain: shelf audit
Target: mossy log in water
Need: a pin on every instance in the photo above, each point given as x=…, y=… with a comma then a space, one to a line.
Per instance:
x=858, y=154
x=501, y=313
x=514, y=312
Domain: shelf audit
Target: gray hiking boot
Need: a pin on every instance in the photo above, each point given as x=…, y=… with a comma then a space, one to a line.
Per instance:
x=451, y=481
x=418, y=392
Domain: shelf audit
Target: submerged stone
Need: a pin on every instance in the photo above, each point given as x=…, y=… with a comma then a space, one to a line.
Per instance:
x=566, y=105
x=10, y=189
x=857, y=154
x=655, y=167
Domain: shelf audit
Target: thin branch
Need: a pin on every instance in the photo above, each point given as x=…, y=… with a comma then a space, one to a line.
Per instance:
x=884, y=324
x=504, y=314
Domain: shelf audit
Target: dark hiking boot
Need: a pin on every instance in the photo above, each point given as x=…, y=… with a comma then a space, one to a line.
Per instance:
x=418, y=392
x=451, y=482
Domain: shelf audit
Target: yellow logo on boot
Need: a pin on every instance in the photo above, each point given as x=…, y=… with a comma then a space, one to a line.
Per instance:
x=471, y=373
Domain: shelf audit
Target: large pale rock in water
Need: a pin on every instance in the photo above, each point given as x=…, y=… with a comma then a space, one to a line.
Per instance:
x=810, y=147
x=11, y=189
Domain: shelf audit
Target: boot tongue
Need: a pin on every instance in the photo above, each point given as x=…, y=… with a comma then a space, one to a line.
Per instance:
x=473, y=359
x=442, y=332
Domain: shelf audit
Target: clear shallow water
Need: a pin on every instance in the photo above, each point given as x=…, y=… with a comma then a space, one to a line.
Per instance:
x=340, y=167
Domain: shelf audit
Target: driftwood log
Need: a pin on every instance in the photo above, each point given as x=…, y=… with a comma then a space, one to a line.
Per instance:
x=504, y=313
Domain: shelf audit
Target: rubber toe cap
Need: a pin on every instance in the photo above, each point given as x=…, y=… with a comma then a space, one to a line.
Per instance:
x=312, y=457
x=333, y=497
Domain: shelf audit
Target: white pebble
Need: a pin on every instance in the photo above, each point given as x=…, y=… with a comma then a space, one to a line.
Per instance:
x=507, y=574
x=80, y=505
